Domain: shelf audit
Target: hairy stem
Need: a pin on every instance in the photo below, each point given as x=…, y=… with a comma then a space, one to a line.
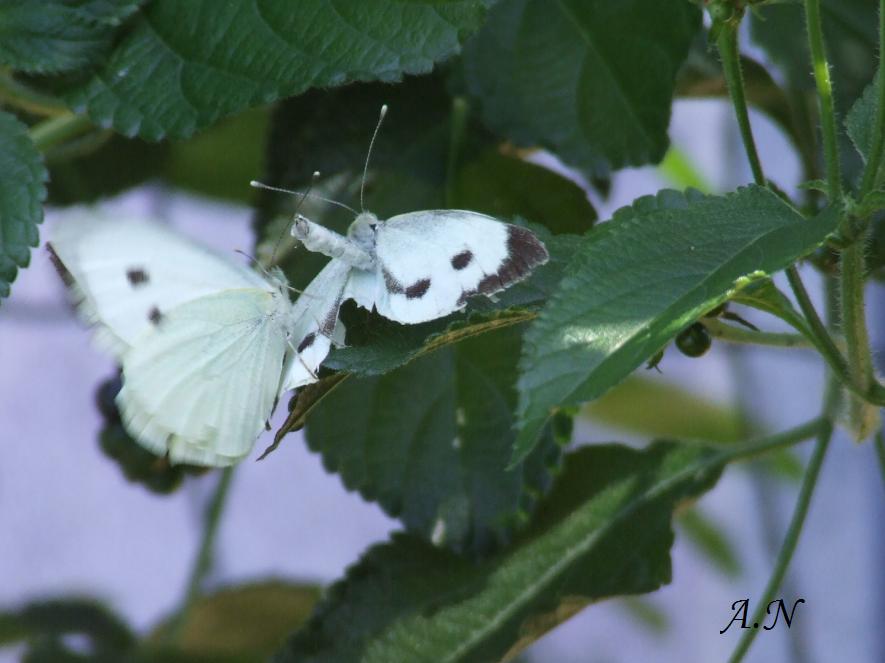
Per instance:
x=203, y=561
x=797, y=522
x=821, y=69
x=727, y=43
x=735, y=334
x=781, y=440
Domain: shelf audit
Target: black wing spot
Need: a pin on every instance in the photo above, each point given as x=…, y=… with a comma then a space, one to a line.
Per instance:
x=306, y=342
x=137, y=276
x=155, y=316
x=461, y=260
x=267, y=425
x=524, y=253
x=393, y=286
x=418, y=289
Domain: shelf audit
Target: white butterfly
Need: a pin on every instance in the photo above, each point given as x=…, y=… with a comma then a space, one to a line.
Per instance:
x=411, y=268
x=205, y=343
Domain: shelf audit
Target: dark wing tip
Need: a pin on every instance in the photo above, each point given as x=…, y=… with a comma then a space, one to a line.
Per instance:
x=62, y=271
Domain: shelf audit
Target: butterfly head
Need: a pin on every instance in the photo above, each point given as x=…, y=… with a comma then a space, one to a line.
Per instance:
x=362, y=230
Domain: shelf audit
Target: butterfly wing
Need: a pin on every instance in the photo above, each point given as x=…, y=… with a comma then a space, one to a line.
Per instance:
x=126, y=272
x=429, y=263
x=315, y=323
x=202, y=381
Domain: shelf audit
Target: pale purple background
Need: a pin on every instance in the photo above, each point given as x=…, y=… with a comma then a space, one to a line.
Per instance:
x=69, y=522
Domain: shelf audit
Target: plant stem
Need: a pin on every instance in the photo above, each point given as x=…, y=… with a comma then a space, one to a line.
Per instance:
x=728, y=49
x=781, y=440
x=826, y=345
x=734, y=334
x=14, y=93
x=791, y=539
x=874, y=159
x=825, y=98
x=880, y=452
x=203, y=561
x=727, y=43
x=57, y=129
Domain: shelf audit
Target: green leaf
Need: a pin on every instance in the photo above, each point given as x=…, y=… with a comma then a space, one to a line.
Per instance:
x=711, y=540
x=850, y=34
x=861, y=120
x=107, y=632
x=603, y=531
x=637, y=281
x=22, y=192
x=184, y=65
x=221, y=161
x=53, y=36
x=249, y=620
x=506, y=186
x=590, y=80
x=429, y=442
x=655, y=409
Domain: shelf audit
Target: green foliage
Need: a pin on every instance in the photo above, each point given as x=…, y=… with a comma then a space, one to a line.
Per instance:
x=424, y=419
x=179, y=68
x=52, y=36
x=53, y=619
x=242, y=622
x=850, y=33
x=590, y=80
x=22, y=192
x=861, y=120
x=430, y=442
x=603, y=531
x=638, y=280
x=654, y=408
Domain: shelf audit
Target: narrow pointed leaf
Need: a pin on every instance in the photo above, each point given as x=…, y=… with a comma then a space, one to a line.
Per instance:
x=641, y=278
x=605, y=530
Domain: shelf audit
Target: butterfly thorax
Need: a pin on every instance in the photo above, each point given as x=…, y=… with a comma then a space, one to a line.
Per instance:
x=362, y=231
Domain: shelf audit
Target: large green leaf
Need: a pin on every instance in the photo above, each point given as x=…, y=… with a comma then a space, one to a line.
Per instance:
x=639, y=279
x=605, y=530
x=591, y=80
x=430, y=442
x=184, y=65
x=22, y=192
x=52, y=36
x=861, y=120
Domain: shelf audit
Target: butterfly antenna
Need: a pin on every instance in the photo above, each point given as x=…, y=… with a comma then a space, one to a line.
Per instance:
x=276, y=247
x=259, y=185
x=369, y=155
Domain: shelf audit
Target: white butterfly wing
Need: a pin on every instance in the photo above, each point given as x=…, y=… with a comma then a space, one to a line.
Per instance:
x=201, y=382
x=316, y=326
x=126, y=272
x=431, y=262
